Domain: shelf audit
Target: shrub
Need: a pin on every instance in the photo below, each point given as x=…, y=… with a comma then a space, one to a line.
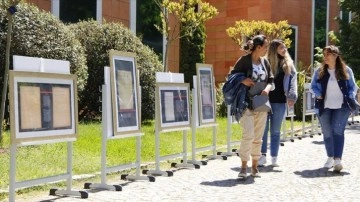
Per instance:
x=97, y=41
x=40, y=34
x=221, y=108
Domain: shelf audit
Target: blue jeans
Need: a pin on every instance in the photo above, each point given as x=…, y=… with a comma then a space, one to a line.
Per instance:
x=274, y=119
x=333, y=123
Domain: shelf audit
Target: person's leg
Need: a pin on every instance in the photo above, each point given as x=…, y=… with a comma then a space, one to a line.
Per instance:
x=262, y=160
x=326, y=128
x=339, y=122
x=265, y=135
x=275, y=126
x=259, y=120
x=247, y=123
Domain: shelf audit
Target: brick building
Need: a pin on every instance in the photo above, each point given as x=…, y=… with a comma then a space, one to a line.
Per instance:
x=305, y=16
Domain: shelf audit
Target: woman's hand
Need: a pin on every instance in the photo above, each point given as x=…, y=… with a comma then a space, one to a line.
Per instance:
x=248, y=82
x=265, y=92
x=290, y=103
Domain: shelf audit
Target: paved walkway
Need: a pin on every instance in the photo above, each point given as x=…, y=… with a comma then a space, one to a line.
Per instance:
x=300, y=177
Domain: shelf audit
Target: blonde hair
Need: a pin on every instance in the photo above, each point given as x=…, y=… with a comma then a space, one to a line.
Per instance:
x=287, y=63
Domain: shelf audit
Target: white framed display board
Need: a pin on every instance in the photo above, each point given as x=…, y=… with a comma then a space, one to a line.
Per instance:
x=308, y=100
x=206, y=95
x=124, y=93
x=290, y=111
x=43, y=106
x=172, y=100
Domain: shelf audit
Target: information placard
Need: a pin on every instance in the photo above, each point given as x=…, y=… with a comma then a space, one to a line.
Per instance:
x=124, y=92
x=309, y=100
x=173, y=105
x=43, y=106
x=206, y=97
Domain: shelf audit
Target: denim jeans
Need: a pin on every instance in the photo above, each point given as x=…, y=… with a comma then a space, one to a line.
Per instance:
x=333, y=123
x=273, y=121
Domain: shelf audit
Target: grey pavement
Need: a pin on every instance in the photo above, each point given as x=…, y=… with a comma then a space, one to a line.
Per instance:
x=300, y=177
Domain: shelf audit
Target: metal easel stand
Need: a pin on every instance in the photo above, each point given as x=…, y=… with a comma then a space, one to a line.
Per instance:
x=353, y=118
x=158, y=158
x=229, y=144
x=68, y=175
x=194, y=126
x=285, y=132
x=107, y=133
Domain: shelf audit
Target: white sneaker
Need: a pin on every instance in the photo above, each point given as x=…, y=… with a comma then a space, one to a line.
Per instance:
x=262, y=160
x=273, y=161
x=337, y=165
x=329, y=163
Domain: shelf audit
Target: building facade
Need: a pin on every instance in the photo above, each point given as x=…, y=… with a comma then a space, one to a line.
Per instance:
x=310, y=21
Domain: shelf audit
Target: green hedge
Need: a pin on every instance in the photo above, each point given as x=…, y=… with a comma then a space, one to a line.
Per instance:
x=97, y=41
x=40, y=34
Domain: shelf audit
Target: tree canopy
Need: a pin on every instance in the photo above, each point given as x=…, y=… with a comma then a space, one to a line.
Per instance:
x=188, y=14
x=348, y=37
x=244, y=30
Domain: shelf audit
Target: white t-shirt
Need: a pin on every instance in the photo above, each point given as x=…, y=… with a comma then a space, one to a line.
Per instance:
x=334, y=97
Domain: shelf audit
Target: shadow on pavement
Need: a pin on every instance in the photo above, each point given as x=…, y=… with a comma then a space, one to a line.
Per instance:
x=320, y=172
x=229, y=182
x=268, y=169
x=318, y=142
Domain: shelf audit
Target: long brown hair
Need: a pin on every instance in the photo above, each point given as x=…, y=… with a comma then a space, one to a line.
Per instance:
x=274, y=60
x=340, y=66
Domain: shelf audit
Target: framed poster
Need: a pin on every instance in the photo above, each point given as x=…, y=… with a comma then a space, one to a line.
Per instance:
x=206, y=95
x=124, y=93
x=308, y=100
x=43, y=106
x=290, y=111
x=173, y=109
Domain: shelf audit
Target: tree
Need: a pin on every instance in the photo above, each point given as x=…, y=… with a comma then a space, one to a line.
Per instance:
x=190, y=13
x=348, y=36
x=11, y=9
x=244, y=30
x=192, y=51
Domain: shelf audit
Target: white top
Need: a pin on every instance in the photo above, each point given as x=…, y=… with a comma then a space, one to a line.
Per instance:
x=334, y=97
x=258, y=74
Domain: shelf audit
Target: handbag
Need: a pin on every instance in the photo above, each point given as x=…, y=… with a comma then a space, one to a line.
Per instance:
x=260, y=103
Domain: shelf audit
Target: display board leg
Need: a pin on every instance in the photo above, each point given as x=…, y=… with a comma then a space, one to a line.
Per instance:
x=137, y=176
x=193, y=144
x=157, y=171
x=229, y=152
x=185, y=163
x=215, y=154
x=68, y=191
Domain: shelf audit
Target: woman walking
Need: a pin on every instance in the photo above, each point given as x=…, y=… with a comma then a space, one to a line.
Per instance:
x=334, y=88
x=285, y=92
x=257, y=71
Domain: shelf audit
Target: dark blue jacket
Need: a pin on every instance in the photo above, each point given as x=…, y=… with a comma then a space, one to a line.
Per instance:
x=235, y=94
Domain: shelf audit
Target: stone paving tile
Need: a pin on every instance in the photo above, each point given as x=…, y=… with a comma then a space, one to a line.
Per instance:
x=300, y=177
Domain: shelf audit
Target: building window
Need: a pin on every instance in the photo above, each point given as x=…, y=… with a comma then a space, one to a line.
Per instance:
x=320, y=32
x=72, y=11
x=320, y=25
x=294, y=43
x=345, y=15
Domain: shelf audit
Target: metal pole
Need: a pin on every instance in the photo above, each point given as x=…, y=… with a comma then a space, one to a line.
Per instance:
x=229, y=122
x=12, y=173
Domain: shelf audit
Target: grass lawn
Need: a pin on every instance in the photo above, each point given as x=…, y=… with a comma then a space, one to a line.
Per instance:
x=50, y=159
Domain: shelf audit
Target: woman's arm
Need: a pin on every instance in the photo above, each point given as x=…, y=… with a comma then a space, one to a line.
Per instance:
x=314, y=86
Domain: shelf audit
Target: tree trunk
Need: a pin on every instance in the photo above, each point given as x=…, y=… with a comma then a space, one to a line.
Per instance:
x=166, y=55
x=6, y=73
